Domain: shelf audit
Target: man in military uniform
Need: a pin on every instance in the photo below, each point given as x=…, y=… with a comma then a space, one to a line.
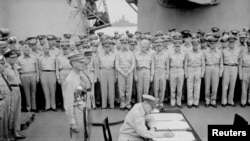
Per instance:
x=214, y=70
x=125, y=63
x=76, y=101
x=63, y=69
x=195, y=68
x=47, y=67
x=161, y=71
x=106, y=74
x=42, y=42
x=134, y=127
x=51, y=42
x=144, y=71
x=29, y=75
x=13, y=78
x=244, y=73
x=6, y=101
x=176, y=64
x=231, y=57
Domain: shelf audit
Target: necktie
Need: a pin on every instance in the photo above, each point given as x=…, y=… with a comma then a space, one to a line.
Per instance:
x=7, y=82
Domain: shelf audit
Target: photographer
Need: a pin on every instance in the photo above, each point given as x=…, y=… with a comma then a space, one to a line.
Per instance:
x=77, y=101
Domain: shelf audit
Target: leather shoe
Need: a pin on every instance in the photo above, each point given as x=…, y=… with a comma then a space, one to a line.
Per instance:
x=196, y=106
x=206, y=105
x=214, y=105
x=189, y=106
x=19, y=137
x=243, y=105
x=179, y=106
x=233, y=105
x=223, y=105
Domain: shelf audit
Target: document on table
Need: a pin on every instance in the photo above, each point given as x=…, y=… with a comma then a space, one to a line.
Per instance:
x=168, y=116
x=178, y=136
x=172, y=125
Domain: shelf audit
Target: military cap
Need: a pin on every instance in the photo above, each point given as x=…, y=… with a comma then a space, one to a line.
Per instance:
x=132, y=41
x=10, y=54
x=93, y=37
x=242, y=35
x=94, y=43
x=124, y=40
x=217, y=36
x=88, y=53
x=65, y=45
x=78, y=43
x=223, y=40
x=234, y=32
x=107, y=42
x=185, y=34
x=195, y=41
x=83, y=37
x=85, y=45
x=212, y=39
x=67, y=36
x=32, y=40
x=215, y=29
x=194, y=36
x=147, y=33
x=158, y=40
x=177, y=36
x=58, y=39
x=51, y=37
x=158, y=33
x=21, y=42
x=116, y=32
x=40, y=37
x=201, y=32
x=80, y=56
x=225, y=32
x=203, y=40
x=11, y=40
x=130, y=35
x=248, y=42
x=232, y=38
x=172, y=29
x=100, y=34
x=150, y=99
x=138, y=32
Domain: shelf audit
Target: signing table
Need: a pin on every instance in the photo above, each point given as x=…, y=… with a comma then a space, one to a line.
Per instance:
x=176, y=122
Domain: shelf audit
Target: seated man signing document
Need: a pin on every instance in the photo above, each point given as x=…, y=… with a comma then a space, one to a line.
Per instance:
x=137, y=122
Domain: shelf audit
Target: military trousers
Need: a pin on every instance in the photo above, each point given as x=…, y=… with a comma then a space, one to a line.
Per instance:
x=229, y=79
x=143, y=82
x=48, y=81
x=212, y=77
x=125, y=85
x=79, y=117
x=160, y=84
x=107, y=79
x=6, y=118
x=29, y=85
x=193, y=85
x=16, y=97
x=63, y=75
x=176, y=82
x=245, y=96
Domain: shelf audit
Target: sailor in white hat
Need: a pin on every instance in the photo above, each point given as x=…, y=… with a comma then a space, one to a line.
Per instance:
x=134, y=127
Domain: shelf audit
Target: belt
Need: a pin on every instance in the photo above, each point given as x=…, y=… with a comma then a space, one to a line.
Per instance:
x=212, y=65
x=246, y=66
x=107, y=68
x=194, y=66
x=27, y=72
x=14, y=85
x=48, y=70
x=68, y=69
x=176, y=67
x=231, y=65
x=142, y=68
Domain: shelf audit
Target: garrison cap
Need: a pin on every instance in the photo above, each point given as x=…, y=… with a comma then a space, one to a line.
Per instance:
x=51, y=37
x=10, y=54
x=138, y=32
x=67, y=36
x=215, y=29
x=232, y=38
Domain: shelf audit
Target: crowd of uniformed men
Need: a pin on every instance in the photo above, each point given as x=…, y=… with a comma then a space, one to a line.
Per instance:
x=125, y=66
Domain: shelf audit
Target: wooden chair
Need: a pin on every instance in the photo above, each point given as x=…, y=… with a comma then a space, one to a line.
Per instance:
x=106, y=130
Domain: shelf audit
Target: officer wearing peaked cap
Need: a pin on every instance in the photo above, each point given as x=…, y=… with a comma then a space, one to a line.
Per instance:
x=54, y=51
x=134, y=127
x=77, y=102
x=67, y=36
x=3, y=47
x=42, y=42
